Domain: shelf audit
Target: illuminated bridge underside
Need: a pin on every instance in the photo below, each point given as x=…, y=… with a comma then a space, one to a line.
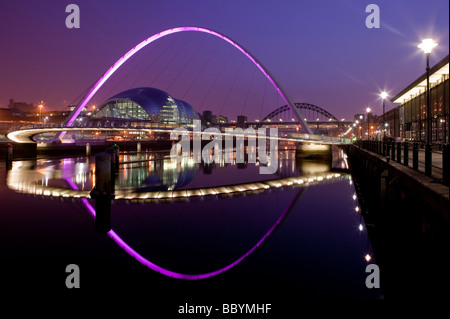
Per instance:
x=16, y=182
x=26, y=135
x=305, y=106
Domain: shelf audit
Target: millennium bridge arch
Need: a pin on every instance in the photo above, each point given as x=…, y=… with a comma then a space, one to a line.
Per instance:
x=74, y=114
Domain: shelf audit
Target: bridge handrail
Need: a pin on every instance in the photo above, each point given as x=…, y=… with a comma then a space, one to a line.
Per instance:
x=300, y=136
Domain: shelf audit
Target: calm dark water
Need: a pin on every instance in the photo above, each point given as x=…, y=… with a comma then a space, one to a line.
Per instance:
x=317, y=250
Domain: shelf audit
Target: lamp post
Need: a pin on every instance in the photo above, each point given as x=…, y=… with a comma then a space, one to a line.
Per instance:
x=40, y=112
x=368, y=126
x=427, y=45
x=383, y=97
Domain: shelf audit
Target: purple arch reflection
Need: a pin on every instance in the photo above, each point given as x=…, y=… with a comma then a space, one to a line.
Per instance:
x=177, y=275
x=71, y=119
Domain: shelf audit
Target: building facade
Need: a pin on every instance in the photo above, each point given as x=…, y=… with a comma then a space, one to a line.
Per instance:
x=147, y=105
x=409, y=120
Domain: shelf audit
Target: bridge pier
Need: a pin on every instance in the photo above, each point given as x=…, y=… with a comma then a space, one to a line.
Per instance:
x=138, y=147
x=313, y=151
x=88, y=150
x=102, y=193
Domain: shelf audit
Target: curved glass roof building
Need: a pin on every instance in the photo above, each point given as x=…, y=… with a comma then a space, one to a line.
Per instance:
x=147, y=103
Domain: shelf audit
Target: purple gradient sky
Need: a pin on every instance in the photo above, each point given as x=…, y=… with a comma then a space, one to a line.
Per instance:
x=320, y=51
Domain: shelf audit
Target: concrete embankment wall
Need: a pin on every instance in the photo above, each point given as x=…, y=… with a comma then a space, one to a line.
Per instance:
x=396, y=184
x=406, y=215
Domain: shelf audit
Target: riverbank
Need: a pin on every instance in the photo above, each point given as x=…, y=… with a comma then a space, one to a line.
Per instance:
x=408, y=224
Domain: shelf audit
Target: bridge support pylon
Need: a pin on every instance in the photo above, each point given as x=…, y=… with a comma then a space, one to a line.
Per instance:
x=313, y=151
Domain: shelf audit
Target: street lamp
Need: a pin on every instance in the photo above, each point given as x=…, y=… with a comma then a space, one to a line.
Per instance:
x=368, y=110
x=40, y=112
x=383, y=96
x=427, y=46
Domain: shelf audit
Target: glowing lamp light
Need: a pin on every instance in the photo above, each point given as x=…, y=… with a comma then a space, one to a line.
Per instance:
x=368, y=110
x=427, y=45
x=383, y=95
x=367, y=257
x=357, y=209
x=361, y=227
x=354, y=196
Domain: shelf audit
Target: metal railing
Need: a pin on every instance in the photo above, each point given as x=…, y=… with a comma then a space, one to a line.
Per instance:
x=415, y=155
x=113, y=125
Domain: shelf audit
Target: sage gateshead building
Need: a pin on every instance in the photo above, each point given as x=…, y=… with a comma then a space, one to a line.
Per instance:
x=143, y=107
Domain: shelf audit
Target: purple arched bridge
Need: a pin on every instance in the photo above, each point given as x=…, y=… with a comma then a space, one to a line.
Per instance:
x=73, y=115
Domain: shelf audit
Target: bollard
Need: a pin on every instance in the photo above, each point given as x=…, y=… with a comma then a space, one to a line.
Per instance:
x=428, y=152
x=116, y=154
x=102, y=193
x=415, y=156
x=446, y=164
x=110, y=151
x=399, y=152
x=88, y=150
x=138, y=147
x=405, y=153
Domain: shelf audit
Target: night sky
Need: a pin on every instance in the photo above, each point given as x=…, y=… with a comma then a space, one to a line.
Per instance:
x=321, y=52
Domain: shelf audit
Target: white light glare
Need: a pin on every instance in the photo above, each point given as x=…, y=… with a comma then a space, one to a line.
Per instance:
x=427, y=45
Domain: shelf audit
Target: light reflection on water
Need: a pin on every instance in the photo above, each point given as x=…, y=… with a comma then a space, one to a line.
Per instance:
x=156, y=171
x=203, y=235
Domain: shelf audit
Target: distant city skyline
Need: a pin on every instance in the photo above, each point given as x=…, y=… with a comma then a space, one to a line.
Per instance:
x=321, y=53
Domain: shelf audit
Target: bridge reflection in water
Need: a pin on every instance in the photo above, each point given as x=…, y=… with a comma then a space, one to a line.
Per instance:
x=211, y=228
